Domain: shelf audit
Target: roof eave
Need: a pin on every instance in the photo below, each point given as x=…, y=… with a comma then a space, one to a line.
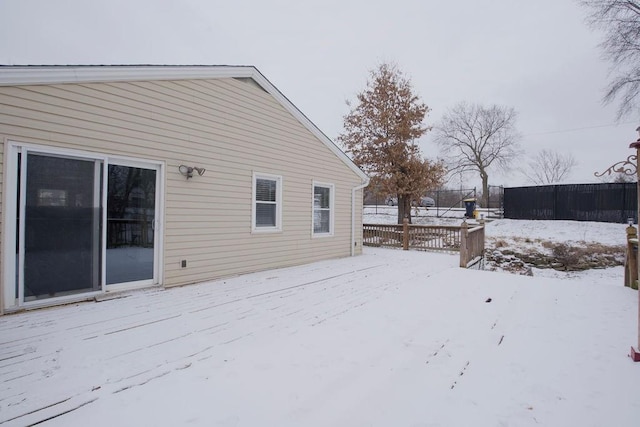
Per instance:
x=40, y=75
x=37, y=75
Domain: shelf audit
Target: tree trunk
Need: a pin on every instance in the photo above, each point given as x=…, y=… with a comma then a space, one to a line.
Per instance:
x=404, y=208
x=485, y=190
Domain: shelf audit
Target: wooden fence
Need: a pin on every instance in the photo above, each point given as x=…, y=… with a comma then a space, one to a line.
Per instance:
x=605, y=202
x=468, y=241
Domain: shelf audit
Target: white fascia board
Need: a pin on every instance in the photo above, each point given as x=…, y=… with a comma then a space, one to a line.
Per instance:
x=35, y=75
x=38, y=75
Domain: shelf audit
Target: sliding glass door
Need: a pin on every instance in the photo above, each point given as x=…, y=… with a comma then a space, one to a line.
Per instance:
x=61, y=249
x=83, y=224
x=131, y=213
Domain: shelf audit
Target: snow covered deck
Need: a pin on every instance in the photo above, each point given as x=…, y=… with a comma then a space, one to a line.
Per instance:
x=389, y=338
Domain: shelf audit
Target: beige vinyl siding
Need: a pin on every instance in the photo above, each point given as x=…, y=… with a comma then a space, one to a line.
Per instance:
x=231, y=128
x=2, y=212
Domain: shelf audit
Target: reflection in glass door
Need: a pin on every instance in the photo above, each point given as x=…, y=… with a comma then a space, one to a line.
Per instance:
x=79, y=223
x=131, y=210
x=60, y=226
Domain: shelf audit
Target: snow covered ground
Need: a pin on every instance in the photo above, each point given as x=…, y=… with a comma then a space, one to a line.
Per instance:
x=525, y=236
x=390, y=338
x=509, y=229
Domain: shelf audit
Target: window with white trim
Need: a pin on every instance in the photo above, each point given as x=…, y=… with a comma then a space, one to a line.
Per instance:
x=267, y=202
x=322, y=209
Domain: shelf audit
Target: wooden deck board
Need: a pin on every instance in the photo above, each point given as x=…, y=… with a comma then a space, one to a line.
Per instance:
x=55, y=360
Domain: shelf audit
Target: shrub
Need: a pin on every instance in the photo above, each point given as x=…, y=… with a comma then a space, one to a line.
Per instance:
x=566, y=255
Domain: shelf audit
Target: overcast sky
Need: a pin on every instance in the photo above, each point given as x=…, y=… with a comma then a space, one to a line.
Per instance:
x=536, y=56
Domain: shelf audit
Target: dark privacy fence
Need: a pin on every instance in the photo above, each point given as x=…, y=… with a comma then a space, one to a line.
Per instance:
x=611, y=202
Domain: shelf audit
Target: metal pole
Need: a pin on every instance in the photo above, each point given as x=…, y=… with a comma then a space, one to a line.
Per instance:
x=635, y=354
x=637, y=359
x=631, y=167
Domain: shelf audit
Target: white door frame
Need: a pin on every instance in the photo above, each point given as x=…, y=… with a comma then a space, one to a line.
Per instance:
x=11, y=302
x=157, y=225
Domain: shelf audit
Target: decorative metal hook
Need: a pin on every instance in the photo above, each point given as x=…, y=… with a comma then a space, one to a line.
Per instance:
x=627, y=167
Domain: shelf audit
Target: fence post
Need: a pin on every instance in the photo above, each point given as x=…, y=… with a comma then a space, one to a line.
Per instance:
x=631, y=263
x=464, y=234
x=405, y=234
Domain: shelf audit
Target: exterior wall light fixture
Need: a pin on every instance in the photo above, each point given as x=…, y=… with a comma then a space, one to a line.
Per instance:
x=188, y=170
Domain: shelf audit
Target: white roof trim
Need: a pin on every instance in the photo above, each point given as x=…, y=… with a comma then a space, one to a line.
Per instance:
x=38, y=75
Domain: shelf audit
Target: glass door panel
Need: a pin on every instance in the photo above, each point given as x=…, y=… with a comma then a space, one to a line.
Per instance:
x=131, y=210
x=61, y=240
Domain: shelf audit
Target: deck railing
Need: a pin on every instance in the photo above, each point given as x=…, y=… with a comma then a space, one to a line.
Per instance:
x=383, y=235
x=468, y=241
x=471, y=245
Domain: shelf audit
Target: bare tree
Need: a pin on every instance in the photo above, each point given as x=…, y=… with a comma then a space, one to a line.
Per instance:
x=620, y=21
x=622, y=178
x=549, y=167
x=380, y=134
x=476, y=138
